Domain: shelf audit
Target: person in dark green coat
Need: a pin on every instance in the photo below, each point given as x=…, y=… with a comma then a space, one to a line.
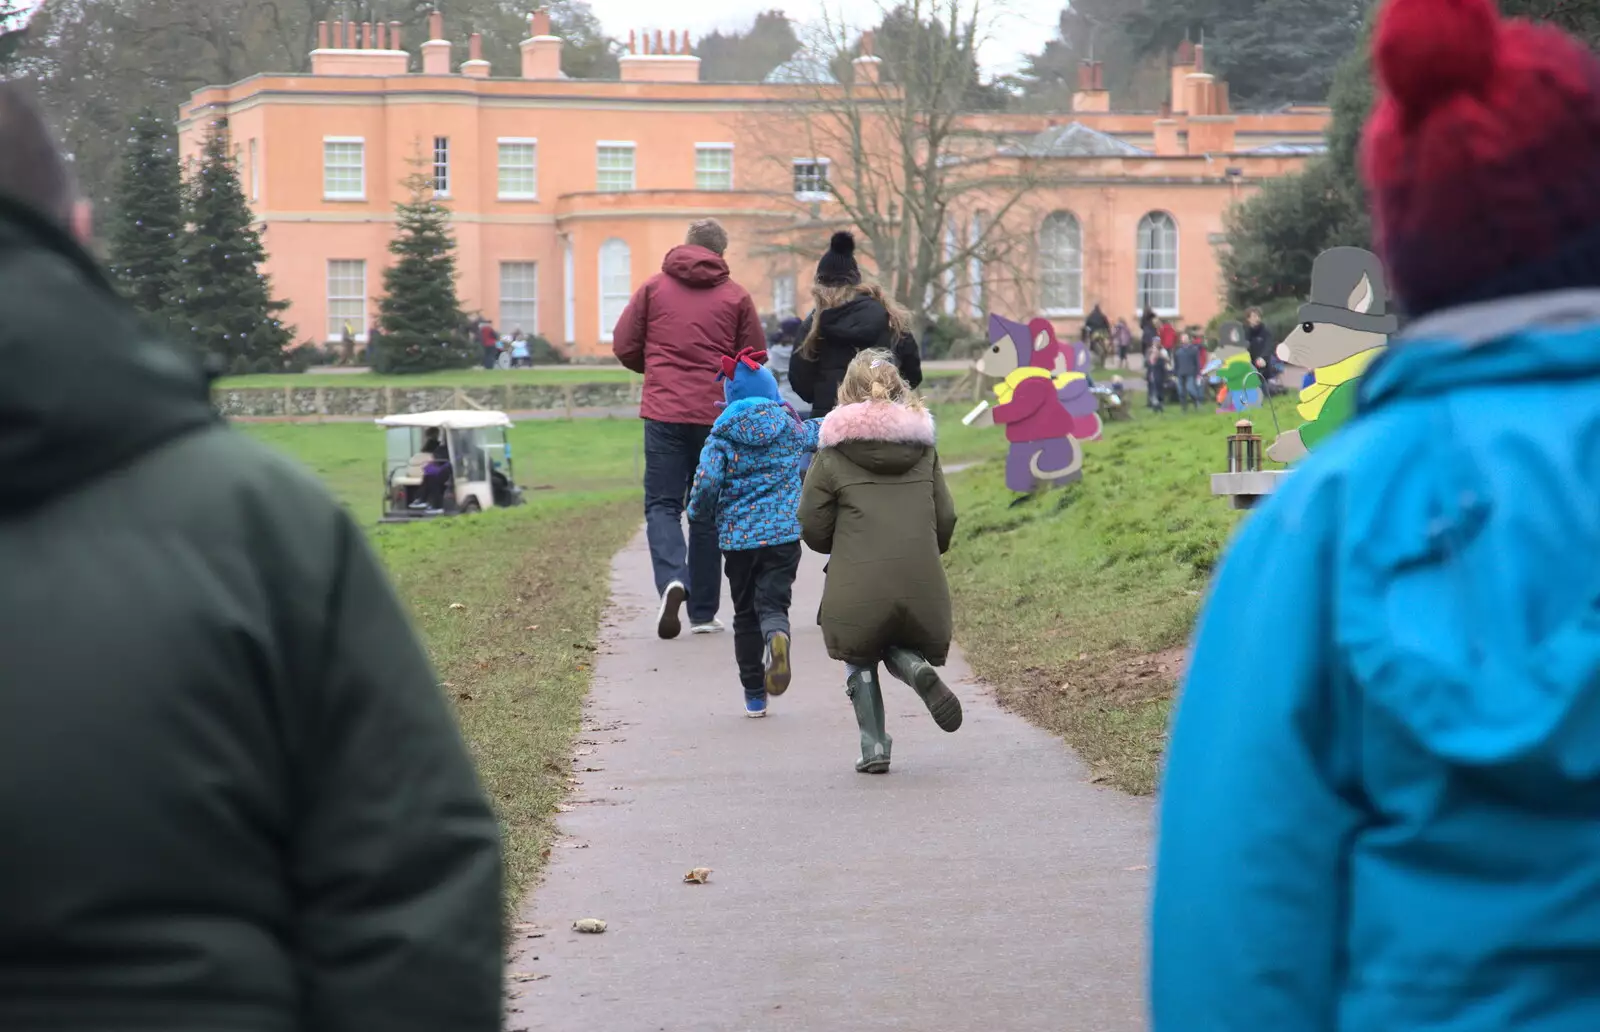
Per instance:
x=235, y=798
x=875, y=500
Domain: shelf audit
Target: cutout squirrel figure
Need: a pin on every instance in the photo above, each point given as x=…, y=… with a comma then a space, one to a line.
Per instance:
x=1344, y=326
x=1044, y=402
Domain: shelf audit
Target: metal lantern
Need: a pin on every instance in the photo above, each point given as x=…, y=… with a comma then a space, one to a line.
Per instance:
x=1244, y=448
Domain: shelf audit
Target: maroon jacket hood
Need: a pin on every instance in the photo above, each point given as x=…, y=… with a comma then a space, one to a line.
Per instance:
x=695, y=266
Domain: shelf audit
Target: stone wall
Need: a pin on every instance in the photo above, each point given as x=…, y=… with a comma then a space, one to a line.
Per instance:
x=355, y=402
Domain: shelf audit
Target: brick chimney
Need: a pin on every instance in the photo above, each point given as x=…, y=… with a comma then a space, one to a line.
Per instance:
x=868, y=67
x=436, y=50
x=541, y=51
x=345, y=48
x=1092, y=94
x=653, y=60
x=475, y=66
x=1211, y=129
x=1183, y=65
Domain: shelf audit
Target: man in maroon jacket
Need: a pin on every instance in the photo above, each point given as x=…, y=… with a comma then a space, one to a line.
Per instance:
x=675, y=330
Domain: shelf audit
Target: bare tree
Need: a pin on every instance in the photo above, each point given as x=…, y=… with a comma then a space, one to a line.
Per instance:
x=925, y=183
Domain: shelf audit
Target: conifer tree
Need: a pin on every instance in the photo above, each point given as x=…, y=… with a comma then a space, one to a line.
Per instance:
x=224, y=299
x=147, y=232
x=420, y=323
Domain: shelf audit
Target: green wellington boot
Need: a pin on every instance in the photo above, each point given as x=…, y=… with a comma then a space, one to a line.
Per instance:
x=864, y=693
x=911, y=668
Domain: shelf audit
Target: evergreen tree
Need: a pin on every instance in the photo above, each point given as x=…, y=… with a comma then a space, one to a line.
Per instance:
x=147, y=231
x=420, y=322
x=748, y=56
x=223, y=297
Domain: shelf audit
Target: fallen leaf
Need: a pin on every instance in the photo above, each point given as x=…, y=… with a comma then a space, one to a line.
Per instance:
x=563, y=808
x=533, y=627
x=1138, y=867
x=1082, y=656
x=589, y=925
x=698, y=876
x=457, y=605
x=527, y=976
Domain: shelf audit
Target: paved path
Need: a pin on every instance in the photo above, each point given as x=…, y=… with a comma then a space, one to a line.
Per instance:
x=981, y=885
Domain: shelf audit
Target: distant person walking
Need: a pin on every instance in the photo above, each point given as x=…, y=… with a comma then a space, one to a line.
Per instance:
x=1389, y=822
x=676, y=330
x=851, y=316
x=235, y=795
x=1121, y=338
x=1186, y=366
x=1258, y=339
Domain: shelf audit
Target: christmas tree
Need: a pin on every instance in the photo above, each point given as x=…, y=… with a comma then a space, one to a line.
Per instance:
x=148, y=231
x=420, y=323
x=223, y=299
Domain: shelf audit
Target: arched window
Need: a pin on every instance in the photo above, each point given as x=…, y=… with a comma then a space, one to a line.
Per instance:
x=1158, y=264
x=616, y=284
x=1061, y=264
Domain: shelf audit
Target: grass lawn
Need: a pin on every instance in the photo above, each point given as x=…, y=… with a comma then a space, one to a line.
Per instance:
x=1077, y=606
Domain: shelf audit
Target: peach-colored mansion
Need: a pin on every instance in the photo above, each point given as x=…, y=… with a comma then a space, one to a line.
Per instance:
x=566, y=193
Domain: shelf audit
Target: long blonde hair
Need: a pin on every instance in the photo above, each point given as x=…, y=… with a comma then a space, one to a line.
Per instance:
x=873, y=376
x=826, y=297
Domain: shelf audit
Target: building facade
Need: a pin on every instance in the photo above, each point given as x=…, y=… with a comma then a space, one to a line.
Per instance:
x=566, y=193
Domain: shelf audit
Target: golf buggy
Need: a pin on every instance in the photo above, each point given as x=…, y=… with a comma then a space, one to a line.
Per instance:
x=445, y=464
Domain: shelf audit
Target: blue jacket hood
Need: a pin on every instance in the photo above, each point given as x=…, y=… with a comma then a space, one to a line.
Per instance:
x=755, y=422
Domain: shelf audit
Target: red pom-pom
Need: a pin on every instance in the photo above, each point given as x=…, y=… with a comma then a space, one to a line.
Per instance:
x=1428, y=51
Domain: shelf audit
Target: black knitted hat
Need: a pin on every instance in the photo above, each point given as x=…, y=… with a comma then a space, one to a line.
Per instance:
x=838, y=267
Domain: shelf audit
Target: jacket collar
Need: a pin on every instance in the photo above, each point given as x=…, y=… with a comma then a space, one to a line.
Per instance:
x=23, y=226
x=1527, y=338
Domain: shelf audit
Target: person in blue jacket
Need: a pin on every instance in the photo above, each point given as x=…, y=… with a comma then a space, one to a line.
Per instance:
x=1388, y=820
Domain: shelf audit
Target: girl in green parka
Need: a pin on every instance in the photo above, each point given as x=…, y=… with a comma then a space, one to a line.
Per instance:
x=876, y=501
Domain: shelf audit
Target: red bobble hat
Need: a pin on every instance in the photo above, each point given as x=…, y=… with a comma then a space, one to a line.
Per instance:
x=1482, y=157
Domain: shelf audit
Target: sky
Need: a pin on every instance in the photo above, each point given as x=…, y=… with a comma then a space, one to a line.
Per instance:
x=1017, y=28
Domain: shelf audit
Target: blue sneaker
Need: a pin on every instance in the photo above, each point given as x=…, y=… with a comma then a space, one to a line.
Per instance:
x=756, y=707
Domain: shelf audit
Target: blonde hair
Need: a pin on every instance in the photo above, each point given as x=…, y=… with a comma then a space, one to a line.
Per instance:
x=827, y=297
x=873, y=376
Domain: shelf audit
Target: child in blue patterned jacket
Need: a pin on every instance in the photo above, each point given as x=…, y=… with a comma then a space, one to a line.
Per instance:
x=749, y=477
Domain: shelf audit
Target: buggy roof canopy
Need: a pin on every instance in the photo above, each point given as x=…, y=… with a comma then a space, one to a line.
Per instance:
x=450, y=419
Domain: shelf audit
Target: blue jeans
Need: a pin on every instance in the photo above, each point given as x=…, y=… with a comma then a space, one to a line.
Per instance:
x=671, y=453
x=1189, y=391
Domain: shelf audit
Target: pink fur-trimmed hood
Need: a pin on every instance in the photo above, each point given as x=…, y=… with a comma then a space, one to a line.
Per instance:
x=877, y=421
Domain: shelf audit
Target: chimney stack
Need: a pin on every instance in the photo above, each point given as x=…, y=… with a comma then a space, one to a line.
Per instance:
x=868, y=67
x=436, y=51
x=475, y=66
x=366, y=35
x=382, y=33
x=1092, y=96
x=322, y=35
x=1183, y=65
x=1167, y=143
x=541, y=51
x=351, y=48
x=396, y=42
x=653, y=57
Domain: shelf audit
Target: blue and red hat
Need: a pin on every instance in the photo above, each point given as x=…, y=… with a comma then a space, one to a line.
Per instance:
x=744, y=376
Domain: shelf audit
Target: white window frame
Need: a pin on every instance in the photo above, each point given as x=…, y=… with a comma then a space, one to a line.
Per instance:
x=337, y=333
x=530, y=302
x=1073, y=268
x=951, y=277
x=975, y=299
x=344, y=195
x=1142, y=295
x=713, y=148
x=501, y=192
x=785, y=295
x=812, y=196
x=632, y=148
x=569, y=292
x=608, y=319
x=255, y=169
x=441, y=160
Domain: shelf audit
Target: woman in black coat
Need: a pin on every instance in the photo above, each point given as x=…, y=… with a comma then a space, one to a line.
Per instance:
x=850, y=317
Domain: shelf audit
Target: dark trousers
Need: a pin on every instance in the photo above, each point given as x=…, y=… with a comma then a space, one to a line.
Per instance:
x=761, y=581
x=1189, y=391
x=671, y=453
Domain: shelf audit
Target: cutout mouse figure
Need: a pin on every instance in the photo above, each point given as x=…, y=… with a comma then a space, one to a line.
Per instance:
x=1344, y=326
x=1044, y=401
